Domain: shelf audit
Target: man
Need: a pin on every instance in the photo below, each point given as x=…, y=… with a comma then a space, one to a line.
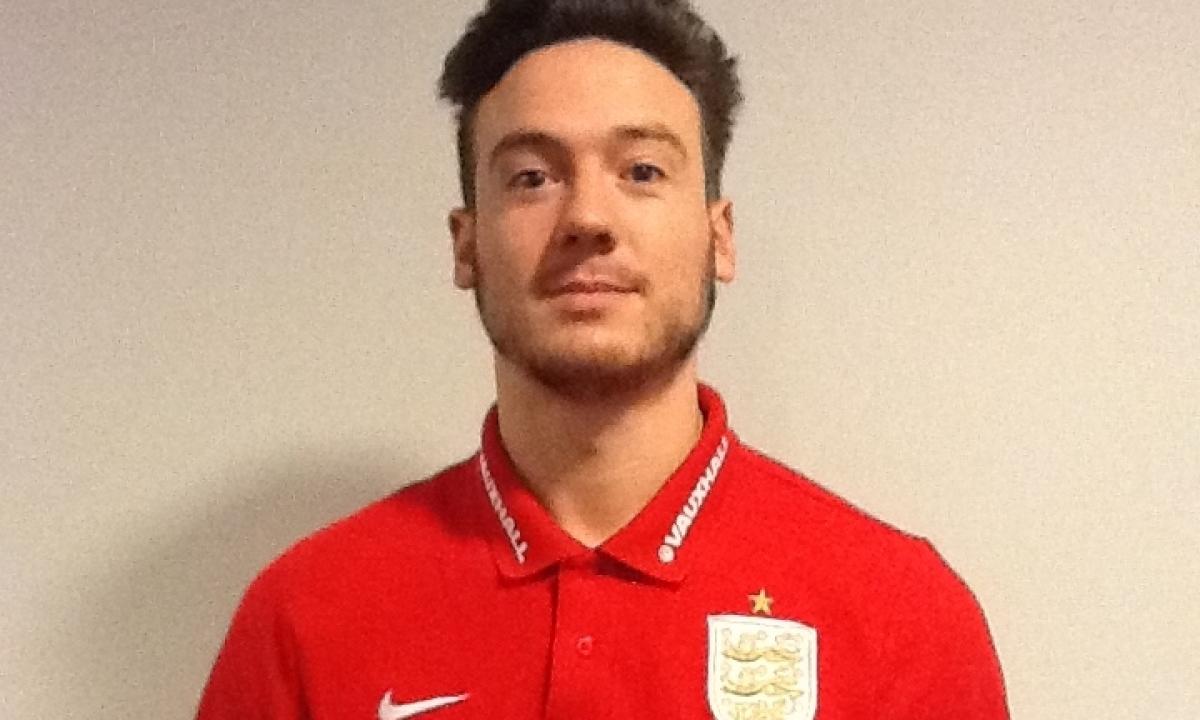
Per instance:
x=613, y=551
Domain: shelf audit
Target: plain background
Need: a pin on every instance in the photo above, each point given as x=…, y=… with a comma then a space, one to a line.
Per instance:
x=968, y=302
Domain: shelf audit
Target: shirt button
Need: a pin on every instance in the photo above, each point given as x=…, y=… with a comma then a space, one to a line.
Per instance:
x=585, y=645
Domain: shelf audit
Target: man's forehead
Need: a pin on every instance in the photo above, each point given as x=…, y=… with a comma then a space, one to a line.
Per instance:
x=587, y=89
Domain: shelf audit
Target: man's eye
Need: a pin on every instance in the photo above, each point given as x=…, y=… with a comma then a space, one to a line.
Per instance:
x=645, y=172
x=528, y=179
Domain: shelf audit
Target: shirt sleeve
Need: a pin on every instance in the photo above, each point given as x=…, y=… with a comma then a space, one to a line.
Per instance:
x=939, y=659
x=256, y=675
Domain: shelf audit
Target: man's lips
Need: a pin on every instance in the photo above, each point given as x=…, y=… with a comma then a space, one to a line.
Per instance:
x=590, y=287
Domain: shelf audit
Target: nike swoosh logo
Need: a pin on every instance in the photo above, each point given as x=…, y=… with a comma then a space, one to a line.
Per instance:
x=389, y=711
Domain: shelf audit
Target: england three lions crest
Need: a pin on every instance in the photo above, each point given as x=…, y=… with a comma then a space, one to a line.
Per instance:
x=761, y=668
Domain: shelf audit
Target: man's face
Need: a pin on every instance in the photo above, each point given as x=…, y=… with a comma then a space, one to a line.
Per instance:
x=591, y=248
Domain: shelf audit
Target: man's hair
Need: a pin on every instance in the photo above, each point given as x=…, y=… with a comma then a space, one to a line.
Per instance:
x=669, y=31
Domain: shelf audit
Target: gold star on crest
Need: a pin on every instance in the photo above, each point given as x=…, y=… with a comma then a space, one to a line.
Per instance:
x=760, y=603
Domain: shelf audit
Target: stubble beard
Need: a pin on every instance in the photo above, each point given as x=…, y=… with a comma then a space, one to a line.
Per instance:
x=590, y=374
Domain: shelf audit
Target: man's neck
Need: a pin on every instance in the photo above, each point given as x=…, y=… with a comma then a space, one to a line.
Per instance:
x=594, y=464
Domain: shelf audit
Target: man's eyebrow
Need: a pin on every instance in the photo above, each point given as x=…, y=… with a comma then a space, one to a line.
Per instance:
x=521, y=139
x=524, y=138
x=654, y=131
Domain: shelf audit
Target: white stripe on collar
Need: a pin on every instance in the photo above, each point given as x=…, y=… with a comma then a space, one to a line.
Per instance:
x=673, y=540
x=507, y=522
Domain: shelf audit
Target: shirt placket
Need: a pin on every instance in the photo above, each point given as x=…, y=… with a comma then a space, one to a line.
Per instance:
x=581, y=647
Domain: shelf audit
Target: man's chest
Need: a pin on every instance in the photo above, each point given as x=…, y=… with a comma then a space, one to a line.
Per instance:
x=579, y=644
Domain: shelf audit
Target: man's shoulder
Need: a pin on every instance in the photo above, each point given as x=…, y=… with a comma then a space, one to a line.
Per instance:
x=780, y=491
x=829, y=533
x=826, y=538
x=410, y=527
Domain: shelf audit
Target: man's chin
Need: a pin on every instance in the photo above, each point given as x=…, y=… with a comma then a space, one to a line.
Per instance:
x=598, y=362
x=595, y=381
x=601, y=373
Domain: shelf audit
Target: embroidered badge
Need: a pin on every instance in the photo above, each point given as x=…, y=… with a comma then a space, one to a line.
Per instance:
x=761, y=668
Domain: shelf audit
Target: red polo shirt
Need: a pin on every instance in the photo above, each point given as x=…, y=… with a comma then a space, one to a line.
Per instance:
x=742, y=590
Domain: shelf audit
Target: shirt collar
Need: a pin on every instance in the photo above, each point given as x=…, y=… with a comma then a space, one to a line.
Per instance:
x=525, y=540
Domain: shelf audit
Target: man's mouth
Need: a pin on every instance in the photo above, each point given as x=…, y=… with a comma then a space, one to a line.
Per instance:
x=591, y=287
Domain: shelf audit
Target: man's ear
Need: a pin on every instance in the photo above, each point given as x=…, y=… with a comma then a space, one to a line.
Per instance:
x=462, y=234
x=720, y=228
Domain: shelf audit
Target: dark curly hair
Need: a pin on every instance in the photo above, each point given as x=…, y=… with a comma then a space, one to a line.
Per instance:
x=669, y=31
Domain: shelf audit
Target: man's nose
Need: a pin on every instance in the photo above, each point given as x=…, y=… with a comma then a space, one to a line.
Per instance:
x=587, y=213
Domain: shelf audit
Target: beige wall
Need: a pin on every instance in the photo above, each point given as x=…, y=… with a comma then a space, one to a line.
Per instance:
x=970, y=241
